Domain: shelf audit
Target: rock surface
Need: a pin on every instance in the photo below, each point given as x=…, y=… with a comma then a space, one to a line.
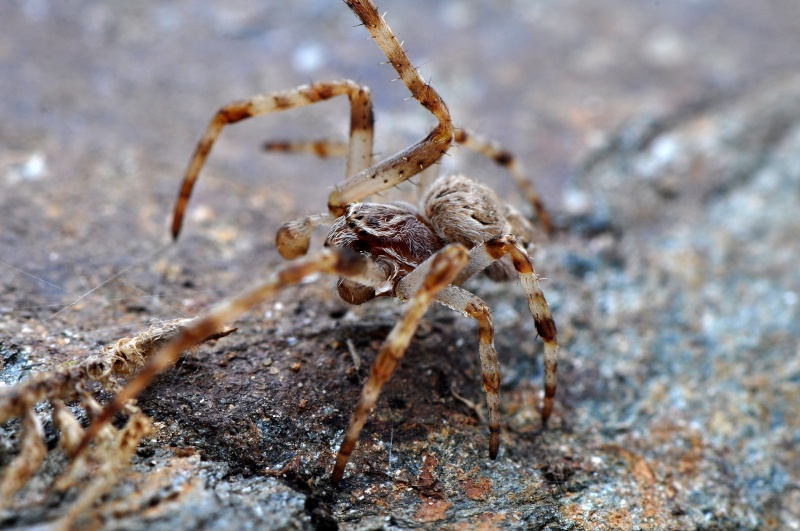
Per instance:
x=666, y=139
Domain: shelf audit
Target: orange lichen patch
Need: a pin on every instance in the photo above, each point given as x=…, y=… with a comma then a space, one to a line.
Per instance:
x=186, y=451
x=476, y=489
x=646, y=494
x=689, y=464
x=426, y=480
x=600, y=518
x=638, y=466
x=642, y=472
x=664, y=431
x=431, y=510
x=619, y=519
x=432, y=507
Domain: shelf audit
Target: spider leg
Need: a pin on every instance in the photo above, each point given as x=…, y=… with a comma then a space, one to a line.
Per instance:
x=294, y=236
x=323, y=148
x=331, y=261
x=480, y=257
x=361, y=128
x=470, y=305
x=494, y=151
x=414, y=159
x=439, y=271
x=319, y=148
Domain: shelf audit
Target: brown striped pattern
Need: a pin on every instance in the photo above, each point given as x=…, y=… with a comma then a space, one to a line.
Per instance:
x=501, y=246
x=360, y=126
x=331, y=261
x=444, y=266
x=490, y=370
x=411, y=161
x=319, y=148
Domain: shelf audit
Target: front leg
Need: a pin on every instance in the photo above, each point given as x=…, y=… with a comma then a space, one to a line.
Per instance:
x=337, y=262
x=361, y=128
x=468, y=304
x=482, y=256
x=440, y=271
x=411, y=161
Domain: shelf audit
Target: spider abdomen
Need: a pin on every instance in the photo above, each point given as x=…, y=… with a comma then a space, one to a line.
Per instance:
x=465, y=211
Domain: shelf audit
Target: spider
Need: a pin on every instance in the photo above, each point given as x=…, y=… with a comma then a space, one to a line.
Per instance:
x=395, y=249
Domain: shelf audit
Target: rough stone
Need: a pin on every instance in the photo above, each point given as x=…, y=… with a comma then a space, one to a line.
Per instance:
x=666, y=140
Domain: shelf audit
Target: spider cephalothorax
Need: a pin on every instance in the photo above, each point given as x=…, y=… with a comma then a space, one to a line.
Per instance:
x=399, y=237
x=418, y=255
x=394, y=236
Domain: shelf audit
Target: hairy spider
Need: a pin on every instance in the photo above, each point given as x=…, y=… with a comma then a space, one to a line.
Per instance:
x=417, y=255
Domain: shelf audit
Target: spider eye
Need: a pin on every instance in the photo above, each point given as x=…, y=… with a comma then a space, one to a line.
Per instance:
x=351, y=224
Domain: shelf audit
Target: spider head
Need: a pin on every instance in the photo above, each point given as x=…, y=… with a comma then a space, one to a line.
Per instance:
x=365, y=220
x=395, y=236
x=395, y=231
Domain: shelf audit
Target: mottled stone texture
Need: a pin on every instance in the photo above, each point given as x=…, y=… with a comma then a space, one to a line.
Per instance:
x=665, y=138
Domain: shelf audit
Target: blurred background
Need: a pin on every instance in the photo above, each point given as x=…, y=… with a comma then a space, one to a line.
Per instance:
x=102, y=103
